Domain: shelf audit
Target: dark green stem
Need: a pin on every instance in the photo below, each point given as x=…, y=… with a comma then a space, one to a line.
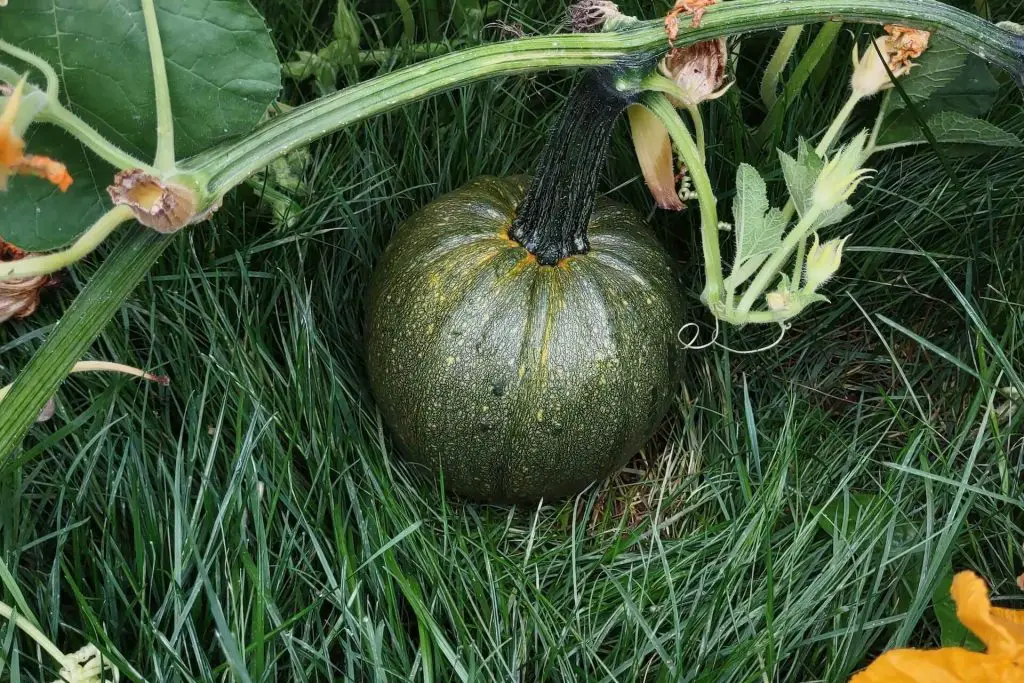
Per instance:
x=552, y=220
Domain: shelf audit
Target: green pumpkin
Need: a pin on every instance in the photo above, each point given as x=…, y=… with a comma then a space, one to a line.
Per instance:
x=522, y=334
x=515, y=379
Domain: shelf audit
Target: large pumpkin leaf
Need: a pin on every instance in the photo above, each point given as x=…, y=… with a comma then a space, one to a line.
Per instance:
x=940, y=65
x=950, y=127
x=223, y=74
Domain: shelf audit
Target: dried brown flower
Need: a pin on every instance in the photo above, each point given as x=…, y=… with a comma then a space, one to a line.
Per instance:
x=906, y=44
x=164, y=206
x=589, y=16
x=20, y=298
x=698, y=70
x=693, y=7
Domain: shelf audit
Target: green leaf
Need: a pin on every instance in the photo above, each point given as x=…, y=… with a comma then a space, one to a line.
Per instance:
x=801, y=174
x=973, y=92
x=833, y=216
x=223, y=73
x=949, y=127
x=952, y=631
x=758, y=227
x=939, y=66
x=842, y=516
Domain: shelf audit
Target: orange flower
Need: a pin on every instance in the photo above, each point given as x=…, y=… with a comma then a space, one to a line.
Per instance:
x=1002, y=631
x=870, y=74
x=13, y=160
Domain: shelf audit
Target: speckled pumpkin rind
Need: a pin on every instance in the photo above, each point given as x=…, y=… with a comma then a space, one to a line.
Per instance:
x=520, y=381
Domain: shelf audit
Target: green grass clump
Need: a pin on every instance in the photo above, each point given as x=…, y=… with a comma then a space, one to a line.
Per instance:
x=793, y=518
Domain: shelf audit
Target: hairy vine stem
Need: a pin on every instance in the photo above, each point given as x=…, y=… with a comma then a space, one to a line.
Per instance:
x=224, y=167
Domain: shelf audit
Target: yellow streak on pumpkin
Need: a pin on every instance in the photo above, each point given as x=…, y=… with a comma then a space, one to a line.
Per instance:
x=549, y=324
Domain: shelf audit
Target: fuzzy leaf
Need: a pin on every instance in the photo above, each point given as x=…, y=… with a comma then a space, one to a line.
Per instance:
x=949, y=127
x=758, y=227
x=972, y=92
x=833, y=216
x=223, y=73
x=801, y=174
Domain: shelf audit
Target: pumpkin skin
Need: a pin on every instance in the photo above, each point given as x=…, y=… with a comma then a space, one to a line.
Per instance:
x=515, y=380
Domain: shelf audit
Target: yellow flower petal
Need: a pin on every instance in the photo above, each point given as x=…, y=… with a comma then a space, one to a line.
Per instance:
x=654, y=152
x=1002, y=630
x=948, y=665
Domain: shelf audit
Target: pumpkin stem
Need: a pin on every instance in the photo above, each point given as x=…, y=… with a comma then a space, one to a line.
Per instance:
x=552, y=219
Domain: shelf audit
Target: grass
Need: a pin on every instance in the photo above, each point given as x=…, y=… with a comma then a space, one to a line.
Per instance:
x=792, y=519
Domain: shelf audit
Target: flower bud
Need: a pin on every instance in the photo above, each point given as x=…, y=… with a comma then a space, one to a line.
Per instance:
x=841, y=175
x=698, y=70
x=778, y=301
x=870, y=72
x=823, y=262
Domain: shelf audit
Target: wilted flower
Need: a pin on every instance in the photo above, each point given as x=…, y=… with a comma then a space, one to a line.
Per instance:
x=13, y=160
x=694, y=7
x=654, y=152
x=590, y=16
x=1002, y=631
x=908, y=43
x=823, y=261
x=87, y=666
x=698, y=70
x=895, y=51
x=19, y=298
x=164, y=206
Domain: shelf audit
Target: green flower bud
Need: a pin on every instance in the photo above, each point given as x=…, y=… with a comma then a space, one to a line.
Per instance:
x=823, y=261
x=841, y=175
